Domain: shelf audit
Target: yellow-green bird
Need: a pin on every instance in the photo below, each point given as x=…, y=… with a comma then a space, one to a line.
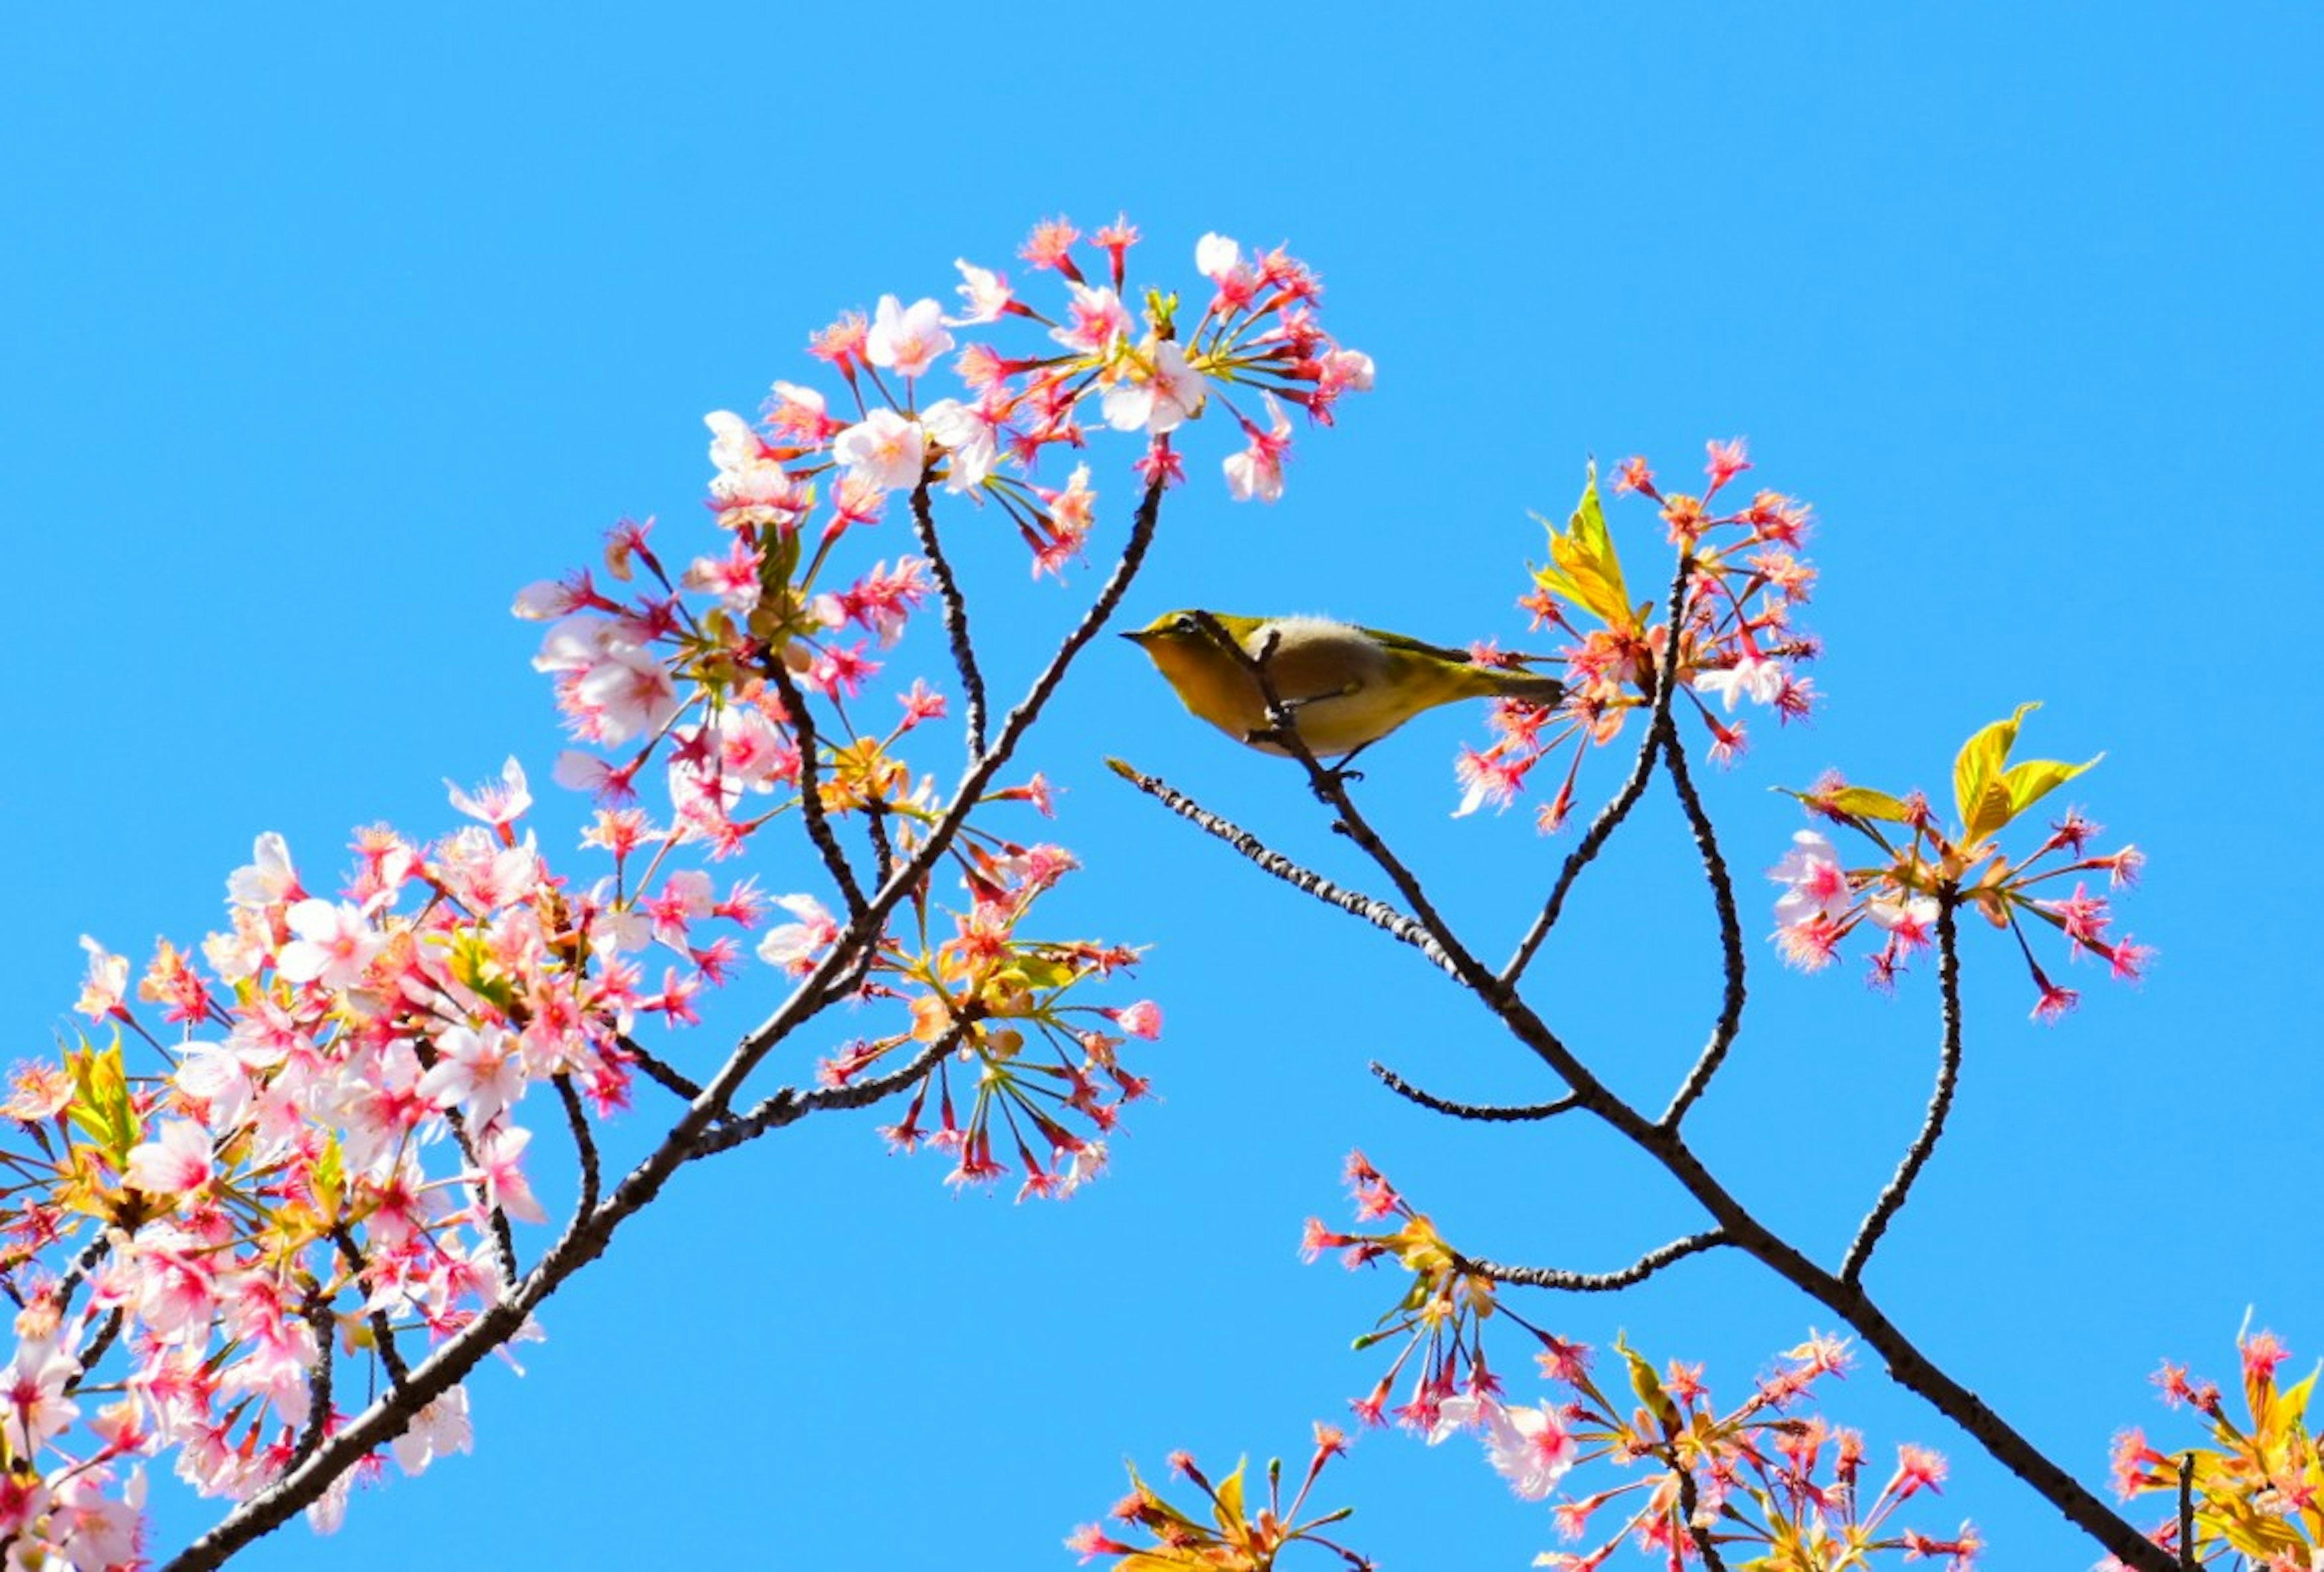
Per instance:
x=1347, y=687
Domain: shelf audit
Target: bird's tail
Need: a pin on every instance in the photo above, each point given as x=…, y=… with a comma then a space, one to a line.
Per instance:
x=1529, y=686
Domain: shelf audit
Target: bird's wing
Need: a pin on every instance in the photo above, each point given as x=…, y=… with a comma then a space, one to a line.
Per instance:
x=1412, y=646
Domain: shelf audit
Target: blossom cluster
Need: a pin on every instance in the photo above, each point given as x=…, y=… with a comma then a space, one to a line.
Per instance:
x=327, y=1159
x=1921, y=862
x=1236, y=1538
x=1736, y=637
x=2258, y=1490
x=329, y=1164
x=1761, y=1476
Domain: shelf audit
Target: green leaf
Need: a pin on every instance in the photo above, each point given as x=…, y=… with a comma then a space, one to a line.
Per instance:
x=1983, y=802
x=1647, y=1385
x=2029, y=782
x=1864, y=802
x=1229, y=1507
x=1584, y=567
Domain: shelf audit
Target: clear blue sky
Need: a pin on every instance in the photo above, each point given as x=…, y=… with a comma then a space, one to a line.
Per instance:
x=324, y=333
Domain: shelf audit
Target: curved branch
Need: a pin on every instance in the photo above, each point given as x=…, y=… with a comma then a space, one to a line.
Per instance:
x=1490, y=1113
x=1618, y=808
x=585, y=1145
x=788, y=1104
x=1594, y=1282
x=590, y=1234
x=1689, y=1505
x=662, y=1074
x=1379, y=913
x=955, y=617
x=1940, y=1100
x=1730, y=929
x=1585, y=852
x=818, y=824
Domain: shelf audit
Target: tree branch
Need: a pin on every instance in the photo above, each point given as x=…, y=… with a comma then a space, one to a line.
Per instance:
x=662, y=1074
x=1618, y=808
x=585, y=1145
x=1483, y=1110
x=1940, y=1100
x=1379, y=913
x=590, y=1234
x=1593, y=1282
x=818, y=824
x=1730, y=929
x=955, y=617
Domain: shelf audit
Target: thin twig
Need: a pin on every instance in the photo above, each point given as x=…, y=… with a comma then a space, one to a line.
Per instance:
x=818, y=824
x=382, y=1330
x=955, y=617
x=83, y=1264
x=1492, y=1113
x=2187, y=1510
x=317, y=1314
x=1594, y=1282
x=96, y=1348
x=1585, y=852
x=585, y=1145
x=788, y=1104
x=661, y=1074
x=1940, y=1100
x=1380, y=914
x=496, y=1218
x=1688, y=1505
x=1618, y=808
x=1730, y=929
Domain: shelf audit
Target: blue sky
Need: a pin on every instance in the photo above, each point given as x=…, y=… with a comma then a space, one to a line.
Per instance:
x=326, y=332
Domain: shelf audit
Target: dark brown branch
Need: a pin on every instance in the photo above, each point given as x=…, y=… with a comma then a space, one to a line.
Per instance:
x=1690, y=1503
x=97, y=1347
x=1730, y=929
x=590, y=1236
x=382, y=1330
x=1940, y=1100
x=503, y=1236
x=1618, y=808
x=78, y=1272
x=788, y=1104
x=317, y=1314
x=1379, y=913
x=2187, y=1510
x=818, y=824
x=1484, y=1111
x=1594, y=1282
x=585, y=1145
x=955, y=617
x=1585, y=852
x=662, y=1074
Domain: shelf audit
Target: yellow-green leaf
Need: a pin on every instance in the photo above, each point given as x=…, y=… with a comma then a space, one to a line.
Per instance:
x=1979, y=769
x=1647, y=1385
x=2035, y=779
x=1864, y=802
x=1583, y=566
x=1229, y=1507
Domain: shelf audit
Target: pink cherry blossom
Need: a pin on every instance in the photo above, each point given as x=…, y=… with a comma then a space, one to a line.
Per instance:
x=1817, y=884
x=177, y=1163
x=908, y=338
x=1154, y=389
x=984, y=294
x=496, y=805
x=335, y=943
x=795, y=945
x=884, y=449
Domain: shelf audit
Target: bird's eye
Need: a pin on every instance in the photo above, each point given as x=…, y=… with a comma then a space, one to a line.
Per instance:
x=1187, y=624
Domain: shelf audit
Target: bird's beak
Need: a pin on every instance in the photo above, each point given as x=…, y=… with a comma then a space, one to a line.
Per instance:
x=1137, y=636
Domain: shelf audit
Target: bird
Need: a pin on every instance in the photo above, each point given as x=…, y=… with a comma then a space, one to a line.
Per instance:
x=1345, y=686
